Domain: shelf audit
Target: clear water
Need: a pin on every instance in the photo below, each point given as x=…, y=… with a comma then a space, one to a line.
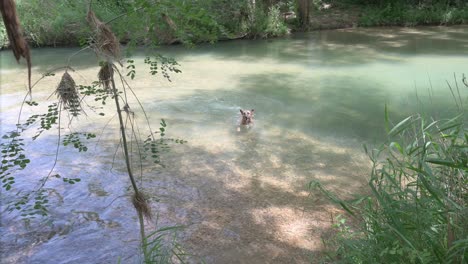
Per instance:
x=242, y=196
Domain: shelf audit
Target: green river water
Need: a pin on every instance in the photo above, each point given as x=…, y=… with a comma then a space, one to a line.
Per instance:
x=242, y=197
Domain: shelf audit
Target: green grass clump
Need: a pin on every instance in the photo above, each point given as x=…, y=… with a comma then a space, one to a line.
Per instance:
x=416, y=210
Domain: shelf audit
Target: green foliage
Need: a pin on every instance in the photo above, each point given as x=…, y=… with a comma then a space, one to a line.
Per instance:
x=100, y=93
x=265, y=24
x=275, y=23
x=401, y=13
x=38, y=207
x=232, y=15
x=170, y=21
x=47, y=120
x=75, y=140
x=417, y=209
x=3, y=35
x=34, y=203
x=13, y=149
x=131, y=69
x=154, y=147
x=162, y=247
x=52, y=22
x=457, y=3
x=71, y=180
x=31, y=204
x=164, y=64
x=13, y=158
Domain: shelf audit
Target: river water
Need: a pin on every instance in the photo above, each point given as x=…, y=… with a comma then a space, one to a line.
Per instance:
x=242, y=197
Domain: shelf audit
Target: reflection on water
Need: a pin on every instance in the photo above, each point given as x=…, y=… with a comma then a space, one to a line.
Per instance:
x=241, y=196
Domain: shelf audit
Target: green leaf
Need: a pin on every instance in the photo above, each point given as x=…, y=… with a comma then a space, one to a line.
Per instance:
x=387, y=121
x=400, y=126
x=447, y=163
x=397, y=146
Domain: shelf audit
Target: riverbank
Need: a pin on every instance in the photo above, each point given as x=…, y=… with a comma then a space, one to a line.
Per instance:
x=69, y=29
x=338, y=16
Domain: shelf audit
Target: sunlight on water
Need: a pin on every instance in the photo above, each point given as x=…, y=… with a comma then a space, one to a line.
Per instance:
x=241, y=195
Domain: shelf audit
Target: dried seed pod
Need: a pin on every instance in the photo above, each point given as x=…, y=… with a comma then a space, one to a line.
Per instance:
x=141, y=205
x=68, y=94
x=105, y=74
x=105, y=43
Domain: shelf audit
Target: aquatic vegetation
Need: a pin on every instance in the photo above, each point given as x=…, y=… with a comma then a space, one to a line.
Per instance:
x=416, y=209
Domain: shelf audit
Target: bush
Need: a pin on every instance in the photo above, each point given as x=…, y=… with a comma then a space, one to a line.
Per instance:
x=270, y=24
x=3, y=36
x=50, y=22
x=417, y=208
x=275, y=23
x=405, y=14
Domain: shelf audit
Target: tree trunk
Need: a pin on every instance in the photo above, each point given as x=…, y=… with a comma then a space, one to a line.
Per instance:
x=303, y=10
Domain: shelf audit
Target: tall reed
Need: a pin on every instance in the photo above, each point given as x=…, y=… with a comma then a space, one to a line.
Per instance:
x=416, y=210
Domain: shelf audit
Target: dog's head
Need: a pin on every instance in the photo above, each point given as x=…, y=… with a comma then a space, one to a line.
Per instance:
x=247, y=116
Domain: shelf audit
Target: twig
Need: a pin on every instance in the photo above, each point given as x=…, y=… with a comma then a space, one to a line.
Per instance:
x=124, y=136
x=132, y=120
x=56, y=151
x=139, y=102
x=74, y=54
x=102, y=131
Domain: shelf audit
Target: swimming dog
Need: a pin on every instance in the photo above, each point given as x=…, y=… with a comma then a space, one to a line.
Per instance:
x=247, y=118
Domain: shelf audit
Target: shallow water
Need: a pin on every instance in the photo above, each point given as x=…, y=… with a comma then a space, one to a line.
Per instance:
x=242, y=197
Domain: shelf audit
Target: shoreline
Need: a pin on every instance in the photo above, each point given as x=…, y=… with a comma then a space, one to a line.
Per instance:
x=2, y=48
x=328, y=17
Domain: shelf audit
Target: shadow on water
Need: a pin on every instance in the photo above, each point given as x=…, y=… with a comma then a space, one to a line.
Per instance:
x=83, y=215
x=345, y=47
x=245, y=196
x=253, y=198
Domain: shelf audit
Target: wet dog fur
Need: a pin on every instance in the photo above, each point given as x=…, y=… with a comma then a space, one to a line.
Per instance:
x=247, y=118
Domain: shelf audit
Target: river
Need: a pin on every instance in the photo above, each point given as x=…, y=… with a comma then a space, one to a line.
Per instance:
x=241, y=197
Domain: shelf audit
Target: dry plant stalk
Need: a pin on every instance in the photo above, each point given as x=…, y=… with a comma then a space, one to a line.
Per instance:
x=106, y=44
x=141, y=205
x=68, y=95
x=15, y=35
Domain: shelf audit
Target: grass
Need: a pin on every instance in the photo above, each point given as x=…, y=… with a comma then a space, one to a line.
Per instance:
x=160, y=246
x=416, y=208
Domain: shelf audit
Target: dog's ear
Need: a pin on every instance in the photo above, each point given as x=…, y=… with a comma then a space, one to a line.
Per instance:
x=252, y=111
x=242, y=112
